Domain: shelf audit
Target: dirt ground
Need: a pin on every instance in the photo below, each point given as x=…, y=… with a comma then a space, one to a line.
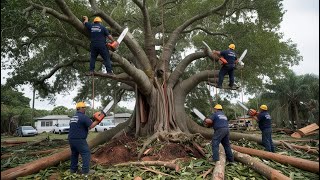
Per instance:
x=126, y=148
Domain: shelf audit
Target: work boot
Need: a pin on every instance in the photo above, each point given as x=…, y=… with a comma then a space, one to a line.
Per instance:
x=89, y=173
x=110, y=73
x=91, y=73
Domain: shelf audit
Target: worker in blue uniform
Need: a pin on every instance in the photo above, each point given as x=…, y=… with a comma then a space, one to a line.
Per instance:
x=221, y=134
x=264, y=120
x=98, y=35
x=228, y=61
x=78, y=132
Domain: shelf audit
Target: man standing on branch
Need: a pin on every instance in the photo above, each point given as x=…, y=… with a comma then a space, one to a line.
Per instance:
x=264, y=120
x=221, y=133
x=98, y=34
x=79, y=127
x=228, y=61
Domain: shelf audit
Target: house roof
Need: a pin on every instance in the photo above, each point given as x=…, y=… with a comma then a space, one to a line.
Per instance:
x=119, y=115
x=54, y=117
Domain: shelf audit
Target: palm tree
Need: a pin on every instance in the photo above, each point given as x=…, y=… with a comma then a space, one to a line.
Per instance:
x=292, y=94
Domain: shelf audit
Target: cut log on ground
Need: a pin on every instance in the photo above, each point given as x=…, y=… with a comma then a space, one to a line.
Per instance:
x=219, y=168
x=308, y=130
x=300, y=163
x=260, y=167
x=14, y=142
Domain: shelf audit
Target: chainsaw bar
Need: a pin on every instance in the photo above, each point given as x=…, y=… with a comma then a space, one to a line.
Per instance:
x=198, y=113
x=243, y=106
x=242, y=56
x=122, y=35
x=108, y=107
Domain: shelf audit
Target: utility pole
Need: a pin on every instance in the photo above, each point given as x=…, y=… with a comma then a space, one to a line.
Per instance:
x=33, y=97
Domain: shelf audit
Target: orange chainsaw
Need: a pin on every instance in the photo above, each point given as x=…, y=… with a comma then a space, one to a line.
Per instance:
x=250, y=112
x=98, y=116
x=115, y=44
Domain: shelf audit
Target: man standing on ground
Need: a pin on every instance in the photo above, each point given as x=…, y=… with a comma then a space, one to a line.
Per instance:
x=264, y=120
x=228, y=62
x=221, y=134
x=98, y=34
x=78, y=132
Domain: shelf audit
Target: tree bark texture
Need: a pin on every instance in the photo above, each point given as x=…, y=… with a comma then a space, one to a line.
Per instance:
x=261, y=168
x=304, y=164
x=219, y=168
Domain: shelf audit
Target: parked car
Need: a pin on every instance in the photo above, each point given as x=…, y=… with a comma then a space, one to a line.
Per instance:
x=26, y=131
x=103, y=126
x=61, y=128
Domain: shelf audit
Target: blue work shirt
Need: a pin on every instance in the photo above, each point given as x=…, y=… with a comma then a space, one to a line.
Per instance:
x=219, y=120
x=229, y=55
x=98, y=33
x=79, y=126
x=264, y=120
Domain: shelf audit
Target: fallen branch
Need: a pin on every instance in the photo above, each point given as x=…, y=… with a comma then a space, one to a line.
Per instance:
x=218, y=172
x=29, y=154
x=261, y=168
x=152, y=163
x=197, y=146
x=207, y=172
x=14, y=142
x=157, y=172
x=293, y=161
x=308, y=149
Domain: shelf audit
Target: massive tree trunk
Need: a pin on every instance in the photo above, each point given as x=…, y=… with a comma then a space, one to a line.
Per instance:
x=161, y=93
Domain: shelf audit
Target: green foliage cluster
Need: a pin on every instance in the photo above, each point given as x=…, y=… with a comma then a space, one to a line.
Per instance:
x=253, y=26
x=293, y=100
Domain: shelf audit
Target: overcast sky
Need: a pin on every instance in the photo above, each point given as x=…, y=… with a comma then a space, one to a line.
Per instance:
x=300, y=24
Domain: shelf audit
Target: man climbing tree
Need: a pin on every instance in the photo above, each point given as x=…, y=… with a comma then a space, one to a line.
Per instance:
x=228, y=62
x=98, y=34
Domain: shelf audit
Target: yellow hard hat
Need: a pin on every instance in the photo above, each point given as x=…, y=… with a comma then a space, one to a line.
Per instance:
x=217, y=106
x=232, y=46
x=97, y=19
x=264, y=107
x=80, y=105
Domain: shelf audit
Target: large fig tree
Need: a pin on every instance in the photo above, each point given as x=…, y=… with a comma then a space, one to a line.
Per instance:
x=161, y=59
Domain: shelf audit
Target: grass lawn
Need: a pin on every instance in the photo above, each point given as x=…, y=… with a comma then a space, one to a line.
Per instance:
x=41, y=136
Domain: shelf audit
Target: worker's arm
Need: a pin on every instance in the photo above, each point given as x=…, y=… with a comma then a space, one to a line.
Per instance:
x=216, y=52
x=111, y=38
x=94, y=124
x=85, y=19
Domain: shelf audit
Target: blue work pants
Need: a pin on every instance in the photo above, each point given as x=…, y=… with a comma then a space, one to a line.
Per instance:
x=226, y=69
x=267, y=139
x=79, y=146
x=101, y=49
x=221, y=136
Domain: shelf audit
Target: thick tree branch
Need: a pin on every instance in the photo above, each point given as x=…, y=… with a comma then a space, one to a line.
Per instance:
x=176, y=74
x=129, y=40
x=169, y=46
x=148, y=37
x=140, y=77
x=69, y=17
x=206, y=31
x=188, y=84
x=72, y=41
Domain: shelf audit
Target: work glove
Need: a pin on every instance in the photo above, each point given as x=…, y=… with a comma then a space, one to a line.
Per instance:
x=252, y=112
